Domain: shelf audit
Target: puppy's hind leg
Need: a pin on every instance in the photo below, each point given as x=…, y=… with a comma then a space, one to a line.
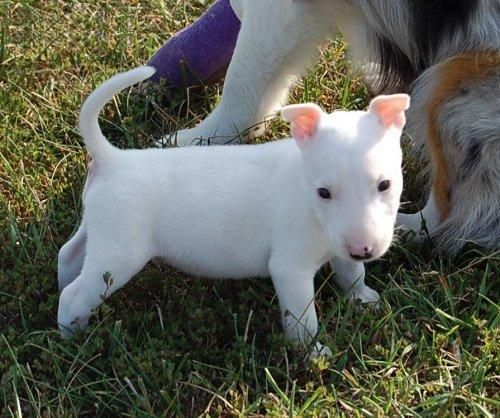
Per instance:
x=276, y=42
x=70, y=258
x=109, y=265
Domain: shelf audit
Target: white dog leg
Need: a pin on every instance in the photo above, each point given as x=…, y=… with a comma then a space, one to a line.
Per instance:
x=70, y=258
x=423, y=223
x=107, y=267
x=276, y=42
x=350, y=277
x=295, y=290
x=238, y=6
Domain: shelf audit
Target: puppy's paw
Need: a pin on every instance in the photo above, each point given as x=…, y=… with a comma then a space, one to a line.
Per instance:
x=72, y=315
x=69, y=327
x=67, y=331
x=320, y=350
x=365, y=294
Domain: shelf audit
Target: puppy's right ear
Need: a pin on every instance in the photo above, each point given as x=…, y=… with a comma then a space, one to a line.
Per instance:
x=304, y=119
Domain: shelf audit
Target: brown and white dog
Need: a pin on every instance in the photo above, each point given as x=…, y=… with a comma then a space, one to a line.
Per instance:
x=446, y=53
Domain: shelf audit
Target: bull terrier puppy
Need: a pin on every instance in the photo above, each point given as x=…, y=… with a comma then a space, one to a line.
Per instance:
x=280, y=209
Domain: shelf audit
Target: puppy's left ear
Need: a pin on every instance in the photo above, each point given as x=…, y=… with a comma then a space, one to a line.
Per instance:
x=304, y=119
x=390, y=109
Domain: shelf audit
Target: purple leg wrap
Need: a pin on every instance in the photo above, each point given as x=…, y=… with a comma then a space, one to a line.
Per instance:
x=202, y=51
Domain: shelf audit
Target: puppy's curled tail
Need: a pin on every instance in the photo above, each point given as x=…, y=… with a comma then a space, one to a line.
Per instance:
x=97, y=144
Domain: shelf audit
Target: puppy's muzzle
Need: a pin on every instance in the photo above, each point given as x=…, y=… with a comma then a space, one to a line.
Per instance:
x=361, y=252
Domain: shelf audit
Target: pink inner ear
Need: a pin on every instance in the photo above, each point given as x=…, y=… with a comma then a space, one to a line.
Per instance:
x=391, y=116
x=390, y=109
x=304, y=119
x=304, y=126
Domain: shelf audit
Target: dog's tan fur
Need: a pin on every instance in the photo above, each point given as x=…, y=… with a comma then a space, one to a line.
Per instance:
x=462, y=70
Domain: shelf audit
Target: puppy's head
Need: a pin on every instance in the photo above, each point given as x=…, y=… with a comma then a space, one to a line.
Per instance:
x=352, y=172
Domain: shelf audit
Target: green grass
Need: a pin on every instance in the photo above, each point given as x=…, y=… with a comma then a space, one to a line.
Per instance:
x=174, y=345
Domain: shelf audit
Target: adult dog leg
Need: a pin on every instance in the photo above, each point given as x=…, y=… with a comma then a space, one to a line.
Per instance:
x=422, y=223
x=276, y=42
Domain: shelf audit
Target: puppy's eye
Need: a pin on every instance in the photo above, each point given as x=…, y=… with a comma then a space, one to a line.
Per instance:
x=324, y=193
x=384, y=185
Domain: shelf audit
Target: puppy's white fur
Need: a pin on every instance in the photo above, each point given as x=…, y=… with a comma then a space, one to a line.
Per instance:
x=238, y=211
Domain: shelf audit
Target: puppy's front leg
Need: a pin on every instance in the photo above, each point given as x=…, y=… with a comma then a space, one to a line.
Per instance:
x=350, y=277
x=295, y=289
x=277, y=40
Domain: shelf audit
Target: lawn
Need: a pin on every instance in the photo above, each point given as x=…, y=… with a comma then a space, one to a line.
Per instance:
x=171, y=345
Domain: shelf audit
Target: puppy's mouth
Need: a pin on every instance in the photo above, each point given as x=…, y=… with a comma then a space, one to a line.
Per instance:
x=369, y=256
x=366, y=256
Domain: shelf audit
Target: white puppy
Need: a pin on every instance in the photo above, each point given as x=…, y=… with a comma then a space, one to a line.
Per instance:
x=280, y=209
